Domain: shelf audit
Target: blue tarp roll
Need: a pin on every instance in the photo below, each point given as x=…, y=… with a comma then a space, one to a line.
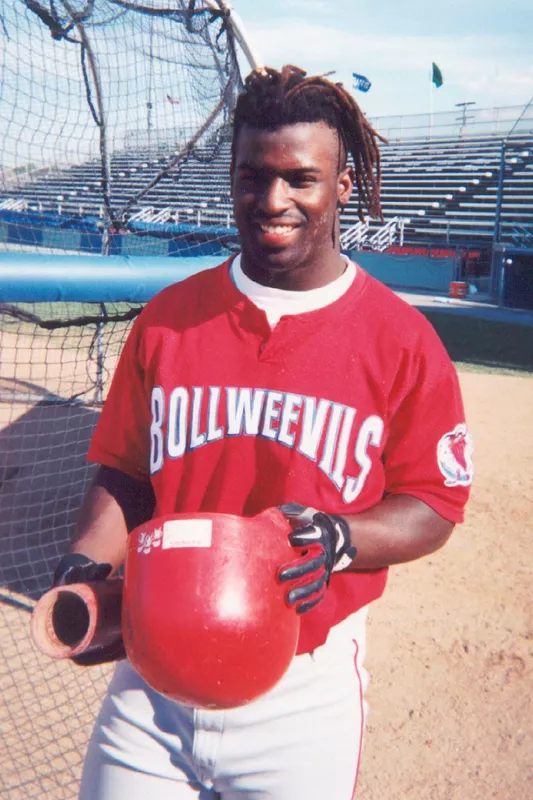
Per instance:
x=98, y=279
x=92, y=279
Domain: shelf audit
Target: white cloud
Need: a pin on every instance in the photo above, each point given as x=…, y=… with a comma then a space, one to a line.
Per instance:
x=308, y=42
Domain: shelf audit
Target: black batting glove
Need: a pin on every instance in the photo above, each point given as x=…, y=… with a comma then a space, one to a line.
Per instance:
x=77, y=568
x=324, y=540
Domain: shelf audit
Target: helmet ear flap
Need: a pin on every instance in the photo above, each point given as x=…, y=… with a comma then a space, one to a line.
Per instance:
x=205, y=620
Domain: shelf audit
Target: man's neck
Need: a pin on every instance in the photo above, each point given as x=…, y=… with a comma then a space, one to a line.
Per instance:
x=298, y=278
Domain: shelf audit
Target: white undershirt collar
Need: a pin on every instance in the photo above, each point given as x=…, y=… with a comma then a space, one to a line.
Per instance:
x=278, y=303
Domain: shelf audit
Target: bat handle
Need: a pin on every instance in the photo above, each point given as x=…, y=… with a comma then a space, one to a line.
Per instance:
x=78, y=619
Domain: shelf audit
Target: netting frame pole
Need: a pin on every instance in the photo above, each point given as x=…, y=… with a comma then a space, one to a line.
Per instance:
x=99, y=119
x=237, y=27
x=100, y=359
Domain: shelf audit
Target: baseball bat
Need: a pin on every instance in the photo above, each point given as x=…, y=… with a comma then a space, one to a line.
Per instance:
x=81, y=622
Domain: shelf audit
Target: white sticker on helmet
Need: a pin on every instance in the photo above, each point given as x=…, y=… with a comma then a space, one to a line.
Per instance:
x=187, y=533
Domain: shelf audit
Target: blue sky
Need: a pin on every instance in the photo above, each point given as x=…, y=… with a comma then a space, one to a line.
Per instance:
x=484, y=48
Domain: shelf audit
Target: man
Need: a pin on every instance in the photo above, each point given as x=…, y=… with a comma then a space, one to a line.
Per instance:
x=285, y=377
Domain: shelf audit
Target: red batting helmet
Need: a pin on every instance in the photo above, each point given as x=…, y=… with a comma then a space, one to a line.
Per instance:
x=205, y=620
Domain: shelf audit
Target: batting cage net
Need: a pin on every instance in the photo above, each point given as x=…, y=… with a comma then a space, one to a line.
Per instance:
x=115, y=118
x=56, y=363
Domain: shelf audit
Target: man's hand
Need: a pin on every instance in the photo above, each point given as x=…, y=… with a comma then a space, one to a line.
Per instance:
x=77, y=568
x=326, y=547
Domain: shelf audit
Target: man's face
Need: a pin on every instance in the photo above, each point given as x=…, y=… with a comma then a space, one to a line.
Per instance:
x=286, y=186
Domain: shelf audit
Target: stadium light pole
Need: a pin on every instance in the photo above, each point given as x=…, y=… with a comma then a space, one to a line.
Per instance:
x=464, y=115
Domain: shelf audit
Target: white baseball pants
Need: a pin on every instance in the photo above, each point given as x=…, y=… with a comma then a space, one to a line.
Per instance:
x=301, y=741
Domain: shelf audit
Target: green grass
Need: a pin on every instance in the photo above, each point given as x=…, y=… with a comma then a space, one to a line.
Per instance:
x=485, y=345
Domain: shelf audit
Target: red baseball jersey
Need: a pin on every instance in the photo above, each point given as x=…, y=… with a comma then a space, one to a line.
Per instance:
x=333, y=408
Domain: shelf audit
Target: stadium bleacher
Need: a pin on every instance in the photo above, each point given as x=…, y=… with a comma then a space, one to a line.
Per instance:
x=445, y=191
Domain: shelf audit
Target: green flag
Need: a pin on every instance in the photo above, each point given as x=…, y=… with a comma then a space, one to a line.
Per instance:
x=436, y=75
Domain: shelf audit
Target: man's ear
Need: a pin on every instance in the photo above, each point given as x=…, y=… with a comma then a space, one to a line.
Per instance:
x=345, y=184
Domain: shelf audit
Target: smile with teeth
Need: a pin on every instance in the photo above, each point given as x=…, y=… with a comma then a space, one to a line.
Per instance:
x=280, y=230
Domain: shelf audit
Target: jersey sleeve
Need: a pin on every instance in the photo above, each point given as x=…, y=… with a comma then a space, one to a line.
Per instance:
x=121, y=437
x=428, y=453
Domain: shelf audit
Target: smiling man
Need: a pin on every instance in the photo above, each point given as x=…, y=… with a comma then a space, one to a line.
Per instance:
x=286, y=377
x=288, y=186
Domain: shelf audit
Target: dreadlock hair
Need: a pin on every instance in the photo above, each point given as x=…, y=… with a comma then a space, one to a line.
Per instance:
x=272, y=99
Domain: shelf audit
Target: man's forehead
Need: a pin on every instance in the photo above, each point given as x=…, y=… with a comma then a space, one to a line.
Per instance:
x=305, y=143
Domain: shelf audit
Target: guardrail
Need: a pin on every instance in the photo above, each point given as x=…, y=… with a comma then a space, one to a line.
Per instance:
x=451, y=124
x=357, y=235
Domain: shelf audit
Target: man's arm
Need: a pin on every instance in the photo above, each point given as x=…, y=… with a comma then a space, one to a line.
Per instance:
x=114, y=505
x=398, y=529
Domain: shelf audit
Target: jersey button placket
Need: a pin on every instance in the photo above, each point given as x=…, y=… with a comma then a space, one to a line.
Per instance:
x=276, y=343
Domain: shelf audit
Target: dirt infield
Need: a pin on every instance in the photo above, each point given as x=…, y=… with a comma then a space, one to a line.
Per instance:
x=451, y=641
x=450, y=647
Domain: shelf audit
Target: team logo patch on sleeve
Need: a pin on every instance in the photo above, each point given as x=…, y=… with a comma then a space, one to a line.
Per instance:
x=454, y=456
